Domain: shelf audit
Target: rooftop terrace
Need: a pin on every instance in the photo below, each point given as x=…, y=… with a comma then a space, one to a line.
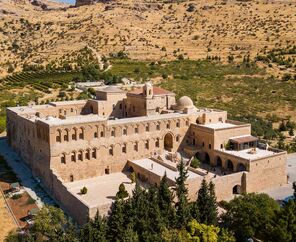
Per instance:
x=249, y=155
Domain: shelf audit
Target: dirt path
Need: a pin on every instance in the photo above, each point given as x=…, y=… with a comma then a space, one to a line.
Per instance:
x=6, y=222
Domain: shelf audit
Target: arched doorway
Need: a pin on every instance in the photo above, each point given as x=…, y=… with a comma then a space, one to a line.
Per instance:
x=236, y=189
x=168, y=142
x=207, y=159
x=241, y=167
x=229, y=165
x=218, y=161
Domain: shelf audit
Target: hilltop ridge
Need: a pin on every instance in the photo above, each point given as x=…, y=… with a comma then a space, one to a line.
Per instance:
x=142, y=29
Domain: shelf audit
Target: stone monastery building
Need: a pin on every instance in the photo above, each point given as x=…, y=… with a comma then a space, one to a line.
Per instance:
x=96, y=143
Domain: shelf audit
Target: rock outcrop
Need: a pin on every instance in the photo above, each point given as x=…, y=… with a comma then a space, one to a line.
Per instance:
x=89, y=2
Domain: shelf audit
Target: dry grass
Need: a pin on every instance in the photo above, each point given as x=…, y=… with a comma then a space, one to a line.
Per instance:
x=147, y=30
x=6, y=222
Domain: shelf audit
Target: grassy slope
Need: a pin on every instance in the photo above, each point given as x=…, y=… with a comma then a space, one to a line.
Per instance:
x=238, y=89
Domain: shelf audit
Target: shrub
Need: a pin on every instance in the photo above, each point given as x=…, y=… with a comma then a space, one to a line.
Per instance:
x=195, y=163
x=83, y=190
x=16, y=196
x=122, y=193
x=133, y=177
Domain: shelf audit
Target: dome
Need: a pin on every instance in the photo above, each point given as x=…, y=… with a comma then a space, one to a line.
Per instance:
x=185, y=102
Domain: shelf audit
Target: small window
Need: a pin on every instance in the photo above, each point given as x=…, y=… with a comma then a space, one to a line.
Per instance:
x=134, y=109
x=147, y=145
x=158, y=127
x=66, y=137
x=73, y=136
x=120, y=106
x=124, y=132
x=81, y=136
x=187, y=122
x=95, y=134
x=136, y=130
x=71, y=178
x=210, y=146
x=203, y=144
x=177, y=138
x=124, y=149
x=136, y=147
x=147, y=128
x=111, y=151
x=63, y=159
x=80, y=156
x=178, y=124
x=113, y=133
x=58, y=139
x=168, y=125
x=87, y=155
x=221, y=146
x=94, y=153
x=220, y=119
x=102, y=133
x=157, y=143
x=73, y=157
x=210, y=120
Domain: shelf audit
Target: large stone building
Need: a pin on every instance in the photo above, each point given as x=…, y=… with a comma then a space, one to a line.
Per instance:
x=94, y=143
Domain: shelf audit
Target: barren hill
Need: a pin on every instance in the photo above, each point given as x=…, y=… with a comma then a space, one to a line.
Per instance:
x=143, y=29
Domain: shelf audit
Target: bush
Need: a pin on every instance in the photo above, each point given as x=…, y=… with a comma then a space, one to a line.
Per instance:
x=195, y=163
x=122, y=193
x=16, y=196
x=83, y=190
x=133, y=177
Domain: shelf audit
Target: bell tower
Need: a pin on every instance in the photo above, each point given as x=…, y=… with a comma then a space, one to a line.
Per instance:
x=148, y=90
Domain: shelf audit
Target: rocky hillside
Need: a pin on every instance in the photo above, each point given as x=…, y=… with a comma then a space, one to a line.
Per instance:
x=34, y=35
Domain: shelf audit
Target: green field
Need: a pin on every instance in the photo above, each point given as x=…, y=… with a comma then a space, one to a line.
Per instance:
x=239, y=89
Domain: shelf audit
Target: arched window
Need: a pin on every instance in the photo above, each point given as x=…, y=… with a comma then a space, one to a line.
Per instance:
x=71, y=178
x=58, y=137
x=80, y=155
x=147, y=144
x=81, y=134
x=66, y=135
x=94, y=153
x=87, y=155
x=73, y=156
x=63, y=159
x=102, y=134
x=124, y=131
x=157, y=143
x=111, y=150
x=124, y=148
x=113, y=133
x=136, y=147
x=74, y=135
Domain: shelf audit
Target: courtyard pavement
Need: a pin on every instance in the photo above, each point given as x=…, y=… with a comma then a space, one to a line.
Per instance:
x=24, y=174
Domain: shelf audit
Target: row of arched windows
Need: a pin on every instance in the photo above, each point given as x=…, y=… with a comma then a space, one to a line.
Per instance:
x=89, y=154
x=64, y=135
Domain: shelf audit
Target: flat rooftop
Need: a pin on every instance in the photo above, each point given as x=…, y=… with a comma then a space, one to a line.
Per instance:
x=246, y=154
x=101, y=190
x=160, y=170
x=219, y=125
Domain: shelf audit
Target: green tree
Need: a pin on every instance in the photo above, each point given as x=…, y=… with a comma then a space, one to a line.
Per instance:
x=206, y=203
x=182, y=208
x=165, y=202
x=94, y=230
x=249, y=216
x=122, y=193
x=116, y=225
x=283, y=227
x=202, y=232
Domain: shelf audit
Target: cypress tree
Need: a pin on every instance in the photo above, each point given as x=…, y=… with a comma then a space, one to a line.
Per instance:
x=206, y=203
x=182, y=208
x=94, y=230
x=116, y=225
x=165, y=202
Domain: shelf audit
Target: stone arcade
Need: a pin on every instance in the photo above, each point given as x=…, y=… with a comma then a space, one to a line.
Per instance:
x=95, y=143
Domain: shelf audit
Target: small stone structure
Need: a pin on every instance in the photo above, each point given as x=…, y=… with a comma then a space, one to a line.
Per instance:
x=90, y=143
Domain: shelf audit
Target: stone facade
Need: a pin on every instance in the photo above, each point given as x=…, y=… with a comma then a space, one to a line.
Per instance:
x=64, y=142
